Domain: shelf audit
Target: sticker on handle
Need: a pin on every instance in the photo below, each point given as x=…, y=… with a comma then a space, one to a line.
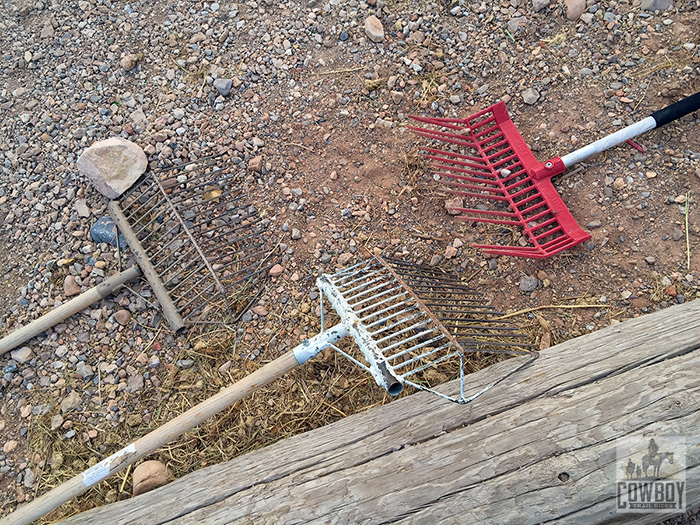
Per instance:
x=101, y=470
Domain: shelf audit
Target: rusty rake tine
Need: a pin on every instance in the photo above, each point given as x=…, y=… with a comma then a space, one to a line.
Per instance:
x=387, y=309
x=456, y=288
x=180, y=167
x=207, y=182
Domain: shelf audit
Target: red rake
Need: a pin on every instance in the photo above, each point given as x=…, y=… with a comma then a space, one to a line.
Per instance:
x=488, y=159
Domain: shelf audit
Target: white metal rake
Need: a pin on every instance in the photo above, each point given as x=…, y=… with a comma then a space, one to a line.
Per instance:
x=412, y=325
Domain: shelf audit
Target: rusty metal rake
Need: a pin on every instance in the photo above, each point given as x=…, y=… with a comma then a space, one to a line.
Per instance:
x=195, y=238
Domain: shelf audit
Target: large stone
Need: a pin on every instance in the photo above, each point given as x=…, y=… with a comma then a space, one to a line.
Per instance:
x=70, y=287
x=539, y=5
x=530, y=96
x=113, y=165
x=22, y=355
x=255, y=164
x=656, y=5
x=574, y=8
x=223, y=86
x=148, y=476
x=374, y=29
x=71, y=402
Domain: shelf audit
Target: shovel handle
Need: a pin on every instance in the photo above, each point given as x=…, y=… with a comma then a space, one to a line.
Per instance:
x=677, y=110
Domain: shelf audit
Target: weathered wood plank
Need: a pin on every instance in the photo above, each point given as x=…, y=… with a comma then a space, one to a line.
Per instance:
x=422, y=460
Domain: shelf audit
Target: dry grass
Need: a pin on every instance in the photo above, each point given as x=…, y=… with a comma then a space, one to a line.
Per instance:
x=324, y=390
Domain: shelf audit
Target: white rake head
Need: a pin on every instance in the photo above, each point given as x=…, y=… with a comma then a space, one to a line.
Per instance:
x=416, y=325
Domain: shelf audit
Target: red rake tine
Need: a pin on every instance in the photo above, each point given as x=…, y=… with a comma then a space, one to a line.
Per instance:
x=502, y=168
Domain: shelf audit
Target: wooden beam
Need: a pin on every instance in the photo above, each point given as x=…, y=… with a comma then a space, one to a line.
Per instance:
x=502, y=459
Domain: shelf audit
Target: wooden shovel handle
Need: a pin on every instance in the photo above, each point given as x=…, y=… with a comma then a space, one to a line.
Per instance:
x=151, y=442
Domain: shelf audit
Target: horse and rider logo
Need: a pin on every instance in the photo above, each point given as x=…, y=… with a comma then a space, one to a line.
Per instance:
x=652, y=459
x=650, y=474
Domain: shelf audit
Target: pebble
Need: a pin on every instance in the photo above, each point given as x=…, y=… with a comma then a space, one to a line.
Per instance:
x=223, y=86
x=70, y=287
x=528, y=283
x=574, y=8
x=276, y=270
x=374, y=29
x=678, y=234
x=22, y=355
x=530, y=96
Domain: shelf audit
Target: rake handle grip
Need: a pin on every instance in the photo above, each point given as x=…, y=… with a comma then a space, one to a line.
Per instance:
x=677, y=110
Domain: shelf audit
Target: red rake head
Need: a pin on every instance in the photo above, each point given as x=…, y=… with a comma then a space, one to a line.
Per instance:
x=488, y=159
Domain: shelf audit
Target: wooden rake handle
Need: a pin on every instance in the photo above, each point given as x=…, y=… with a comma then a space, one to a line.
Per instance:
x=171, y=430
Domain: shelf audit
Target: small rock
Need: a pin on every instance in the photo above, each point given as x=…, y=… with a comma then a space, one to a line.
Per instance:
x=134, y=420
x=148, y=476
x=454, y=205
x=656, y=5
x=56, y=421
x=528, y=283
x=122, y=317
x=539, y=5
x=255, y=164
x=260, y=310
x=435, y=260
x=650, y=260
x=80, y=206
x=185, y=363
x=22, y=355
x=296, y=234
x=127, y=63
x=10, y=446
x=574, y=8
x=276, y=270
x=530, y=96
x=374, y=29
x=344, y=258
x=677, y=234
x=223, y=86
x=70, y=287
x=29, y=478
x=135, y=383
x=71, y=402
x=450, y=252
x=594, y=224
x=112, y=165
x=225, y=367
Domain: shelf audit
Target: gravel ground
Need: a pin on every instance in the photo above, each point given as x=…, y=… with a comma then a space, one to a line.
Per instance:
x=321, y=94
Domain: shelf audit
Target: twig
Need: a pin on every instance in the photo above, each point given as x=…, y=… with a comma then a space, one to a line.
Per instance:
x=126, y=476
x=298, y=145
x=553, y=306
x=335, y=71
x=643, y=95
x=687, y=238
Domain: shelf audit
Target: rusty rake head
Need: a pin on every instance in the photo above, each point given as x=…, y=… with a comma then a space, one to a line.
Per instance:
x=196, y=238
x=417, y=325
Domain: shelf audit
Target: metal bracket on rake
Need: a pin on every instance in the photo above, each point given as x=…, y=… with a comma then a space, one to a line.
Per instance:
x=416, y=325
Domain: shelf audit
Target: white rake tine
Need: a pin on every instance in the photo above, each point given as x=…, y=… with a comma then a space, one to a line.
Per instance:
x=416, y=347
x=369, y=263
x=384, y=284
x=407, y=329
x=422, y=334
x=353, y=276
x=427, y=365
x=363, y=277
x=374, y=314
x=385, y=319
x=380, y=302
x=397, y=323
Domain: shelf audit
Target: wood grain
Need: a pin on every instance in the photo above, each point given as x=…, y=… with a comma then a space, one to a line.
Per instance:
x=421, y=460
